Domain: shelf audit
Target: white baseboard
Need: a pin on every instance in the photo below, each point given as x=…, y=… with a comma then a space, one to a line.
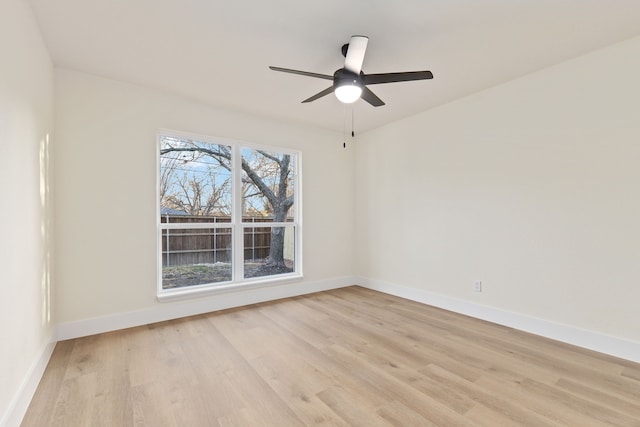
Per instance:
x=602, y=343
x=174, y=310
x=19, y=404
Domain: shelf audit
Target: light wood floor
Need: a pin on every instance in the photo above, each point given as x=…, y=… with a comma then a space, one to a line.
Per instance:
x=347, y=357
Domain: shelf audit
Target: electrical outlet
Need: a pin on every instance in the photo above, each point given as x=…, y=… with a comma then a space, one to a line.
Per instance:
x=477, y=286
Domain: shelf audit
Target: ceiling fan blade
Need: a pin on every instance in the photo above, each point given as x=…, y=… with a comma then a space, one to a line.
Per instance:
x=371, y=98
x=355, y=54
x=302, y=73
x=325, y=92
x=373, y=79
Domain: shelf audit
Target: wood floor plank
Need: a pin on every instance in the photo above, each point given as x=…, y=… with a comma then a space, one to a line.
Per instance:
x=397, y=414
x=290, y=382
x=629, y=407
x=48, y=391
x=513, y=410
x=380, y=387
x=633, y=373
x=353, y=409
x=482, y=416
x=345, y=357
x=525, y=396
x=593, y=411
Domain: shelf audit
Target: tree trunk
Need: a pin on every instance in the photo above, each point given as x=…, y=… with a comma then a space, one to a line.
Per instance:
x=276, y=248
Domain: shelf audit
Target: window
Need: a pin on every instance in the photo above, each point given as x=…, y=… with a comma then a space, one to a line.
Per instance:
x=228, y=214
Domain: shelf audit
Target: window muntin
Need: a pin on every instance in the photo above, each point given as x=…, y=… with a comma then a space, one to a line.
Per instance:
x=228, y=213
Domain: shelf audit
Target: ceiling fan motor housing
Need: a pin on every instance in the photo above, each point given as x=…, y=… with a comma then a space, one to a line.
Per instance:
x=344, y=77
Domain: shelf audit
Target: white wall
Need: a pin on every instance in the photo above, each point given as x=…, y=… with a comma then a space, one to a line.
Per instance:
x=26, y=89
x=106, y=199
x=532, y=187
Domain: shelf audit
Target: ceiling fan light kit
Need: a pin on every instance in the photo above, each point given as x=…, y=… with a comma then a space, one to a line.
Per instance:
x=347, y=86
x=349, y=83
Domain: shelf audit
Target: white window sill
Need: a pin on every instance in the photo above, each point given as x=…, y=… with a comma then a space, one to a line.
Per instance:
x=213, y=289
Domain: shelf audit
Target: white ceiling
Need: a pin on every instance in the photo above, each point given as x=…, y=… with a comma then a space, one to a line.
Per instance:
x=218, y=52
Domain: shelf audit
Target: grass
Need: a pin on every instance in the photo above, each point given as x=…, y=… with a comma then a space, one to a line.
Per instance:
x=195, y=274
x=199, y=274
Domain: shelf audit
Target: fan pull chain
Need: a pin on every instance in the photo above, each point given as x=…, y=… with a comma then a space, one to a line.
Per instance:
x=353, y=133
x=344, y=127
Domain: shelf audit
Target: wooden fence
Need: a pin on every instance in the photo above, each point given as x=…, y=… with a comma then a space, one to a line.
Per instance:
x=211, y=245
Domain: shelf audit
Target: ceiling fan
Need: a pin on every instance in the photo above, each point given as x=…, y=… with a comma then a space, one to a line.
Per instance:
x=350, y=83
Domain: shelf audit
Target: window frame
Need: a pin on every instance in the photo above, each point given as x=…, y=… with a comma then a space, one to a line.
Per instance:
x=237, y=225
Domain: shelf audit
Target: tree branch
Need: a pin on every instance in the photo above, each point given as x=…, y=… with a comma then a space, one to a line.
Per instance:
x=213, y=153
x=264, y=188
x=269, y=156
x=253, y=176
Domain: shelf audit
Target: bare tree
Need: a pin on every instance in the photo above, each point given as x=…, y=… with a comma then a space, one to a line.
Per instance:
x=194, y=191
x=197, y=195
x=167, y=172
x=271, y=176
x=278, y=195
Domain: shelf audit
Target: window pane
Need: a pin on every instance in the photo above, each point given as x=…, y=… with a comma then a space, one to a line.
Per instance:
x=195, y=178
x=277, y=243
x=267, y=185
x=195, y=256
